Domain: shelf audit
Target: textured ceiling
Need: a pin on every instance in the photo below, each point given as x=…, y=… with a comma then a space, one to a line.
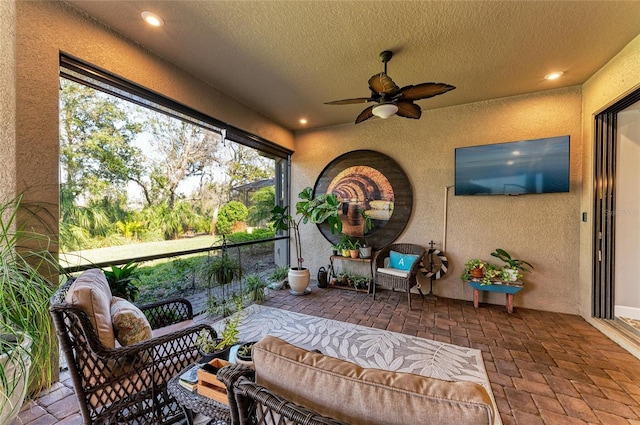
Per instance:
x=286, y=58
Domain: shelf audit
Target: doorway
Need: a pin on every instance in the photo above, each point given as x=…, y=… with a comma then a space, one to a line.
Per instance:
x=627, y=218
x=616, y=231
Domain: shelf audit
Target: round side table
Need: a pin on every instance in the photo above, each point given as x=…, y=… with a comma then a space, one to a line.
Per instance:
x=192, y=402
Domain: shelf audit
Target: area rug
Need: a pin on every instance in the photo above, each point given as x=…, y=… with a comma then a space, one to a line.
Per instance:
x=367, y=347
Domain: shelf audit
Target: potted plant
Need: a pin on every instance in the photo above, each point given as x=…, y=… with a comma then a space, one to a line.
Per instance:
x=278, y=276
x=219, y=347
x=514, y=265
x=354, y=248
x=319, y=209
x=27, y=338
x=255, y=287
x=345, y=242
x=473, y=268
x=222, y=269
x=244, y=355
x=367, y=225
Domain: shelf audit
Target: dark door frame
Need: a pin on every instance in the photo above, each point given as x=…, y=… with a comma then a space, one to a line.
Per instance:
x=604, y=207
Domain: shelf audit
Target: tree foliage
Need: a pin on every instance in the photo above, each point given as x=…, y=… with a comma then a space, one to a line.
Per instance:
x=231, y=213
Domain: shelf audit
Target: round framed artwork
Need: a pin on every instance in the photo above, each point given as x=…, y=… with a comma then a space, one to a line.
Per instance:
x=372, y=182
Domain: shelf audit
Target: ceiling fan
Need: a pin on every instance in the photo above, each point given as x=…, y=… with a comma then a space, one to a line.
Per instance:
x=390, y=99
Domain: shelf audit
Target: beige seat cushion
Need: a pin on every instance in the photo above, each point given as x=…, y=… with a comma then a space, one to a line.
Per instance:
x=355, y=395
x=166, y=330
x=393, y=272
x=90, y=292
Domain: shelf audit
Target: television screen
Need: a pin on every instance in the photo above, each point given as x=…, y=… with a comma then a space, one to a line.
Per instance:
x=515, y=168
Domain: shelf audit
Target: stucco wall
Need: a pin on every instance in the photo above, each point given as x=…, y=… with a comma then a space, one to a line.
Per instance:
x=46, y=28
x=7, y=100
x=542, y=229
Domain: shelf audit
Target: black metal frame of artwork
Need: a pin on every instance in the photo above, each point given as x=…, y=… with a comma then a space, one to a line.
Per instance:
x=369, y=180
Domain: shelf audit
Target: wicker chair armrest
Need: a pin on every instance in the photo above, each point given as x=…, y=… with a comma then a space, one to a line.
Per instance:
x=229, y=375
x=247, y=393
x=167, y=312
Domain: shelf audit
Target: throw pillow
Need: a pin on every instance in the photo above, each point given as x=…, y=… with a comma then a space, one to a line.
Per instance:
x=90, y=292
x=129, y=323
x=401, y=261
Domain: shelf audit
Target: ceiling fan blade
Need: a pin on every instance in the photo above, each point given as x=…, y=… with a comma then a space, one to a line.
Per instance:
x=408, y=109
x=383, y=84
x=349, y=101
x=423, y=91
x=365, y=115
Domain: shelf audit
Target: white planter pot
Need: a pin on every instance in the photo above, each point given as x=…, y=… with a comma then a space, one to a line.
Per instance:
x=16, y=366
x=513, y=274
x=299, y=281
x=365, y=251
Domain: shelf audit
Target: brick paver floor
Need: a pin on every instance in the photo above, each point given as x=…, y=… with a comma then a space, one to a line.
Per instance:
x=544, y=368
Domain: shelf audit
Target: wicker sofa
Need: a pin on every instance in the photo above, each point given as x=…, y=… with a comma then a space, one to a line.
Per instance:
x=118, y=384
x=309, y=388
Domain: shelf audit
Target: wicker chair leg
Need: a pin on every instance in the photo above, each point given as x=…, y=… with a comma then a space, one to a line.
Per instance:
x=409, y=297
x=374, y=290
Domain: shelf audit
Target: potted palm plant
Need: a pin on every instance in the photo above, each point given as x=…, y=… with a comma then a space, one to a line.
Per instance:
x=319, y=209
x=27, y=338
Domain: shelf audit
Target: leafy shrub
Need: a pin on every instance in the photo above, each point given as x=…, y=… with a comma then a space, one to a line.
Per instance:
x=231, y=213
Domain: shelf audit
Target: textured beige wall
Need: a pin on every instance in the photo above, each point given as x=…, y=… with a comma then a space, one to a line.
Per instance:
x=614, y=81
x=46, y=28
x=7, y=100
x=542, y=229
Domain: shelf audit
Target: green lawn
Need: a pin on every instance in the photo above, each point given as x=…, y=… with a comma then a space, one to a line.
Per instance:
x=118, y=253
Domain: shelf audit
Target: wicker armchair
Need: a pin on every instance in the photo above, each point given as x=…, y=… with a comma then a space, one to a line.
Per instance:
x=126, y=385
x=252, y=404
x=402, y=281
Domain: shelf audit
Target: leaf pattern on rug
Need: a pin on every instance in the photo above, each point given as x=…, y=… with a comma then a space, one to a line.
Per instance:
x=367, y=347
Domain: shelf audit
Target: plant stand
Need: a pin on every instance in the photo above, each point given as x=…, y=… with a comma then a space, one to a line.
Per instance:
x=332, y=272
x=507, y=289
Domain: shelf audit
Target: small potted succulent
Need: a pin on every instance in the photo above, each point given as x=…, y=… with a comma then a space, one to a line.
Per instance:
x=244, y=355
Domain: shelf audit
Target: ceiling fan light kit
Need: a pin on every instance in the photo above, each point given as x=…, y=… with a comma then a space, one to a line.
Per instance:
x=385, y=110
x=392, y=100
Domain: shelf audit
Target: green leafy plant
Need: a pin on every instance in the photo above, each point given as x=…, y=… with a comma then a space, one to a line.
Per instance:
x=319, y=209
x=255, y=287
x=279, y=274
x=367, y=225
x=24, y=302
x=245, y=350
x=223, y=269
x=123, y=281
x=513, y=263
x=469, y=266
x=228, y=336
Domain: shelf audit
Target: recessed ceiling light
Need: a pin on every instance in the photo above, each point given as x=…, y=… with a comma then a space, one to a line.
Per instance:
x=553, y=75
x=152, y=19
x=302, y=120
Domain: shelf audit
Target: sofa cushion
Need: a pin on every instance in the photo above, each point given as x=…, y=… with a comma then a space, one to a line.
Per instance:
x=355, y=395
x=130, y=325
x=91, y=293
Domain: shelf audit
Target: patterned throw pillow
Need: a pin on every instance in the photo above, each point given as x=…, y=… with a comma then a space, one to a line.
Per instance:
x=401, y=261
x=129, y=323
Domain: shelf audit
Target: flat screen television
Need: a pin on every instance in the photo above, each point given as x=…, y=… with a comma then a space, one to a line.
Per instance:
x=514, y=168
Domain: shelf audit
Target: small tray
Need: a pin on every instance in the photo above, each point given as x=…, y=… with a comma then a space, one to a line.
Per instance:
x=210, y=386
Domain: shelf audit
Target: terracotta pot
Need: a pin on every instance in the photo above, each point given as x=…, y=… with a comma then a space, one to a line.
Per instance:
x=477, y=272
x=355, y=253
